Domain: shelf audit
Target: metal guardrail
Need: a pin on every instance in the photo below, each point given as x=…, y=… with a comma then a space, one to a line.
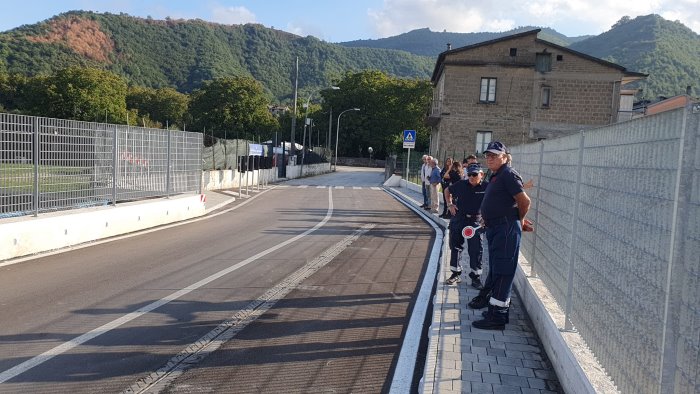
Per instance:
x=617, y=240
x=53, y=164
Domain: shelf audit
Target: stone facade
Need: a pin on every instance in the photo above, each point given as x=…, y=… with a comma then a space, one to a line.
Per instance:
x=583, y=92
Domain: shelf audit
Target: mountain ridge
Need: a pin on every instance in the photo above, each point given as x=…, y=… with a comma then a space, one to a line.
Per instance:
x=184, y=53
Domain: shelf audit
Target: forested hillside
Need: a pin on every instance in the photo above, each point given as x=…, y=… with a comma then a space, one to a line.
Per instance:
x=182, y=54
x=668, y=51
x=428, y=43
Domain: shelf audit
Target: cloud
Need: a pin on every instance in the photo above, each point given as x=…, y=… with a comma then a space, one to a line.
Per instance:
x=570, y=17
x=232, y=15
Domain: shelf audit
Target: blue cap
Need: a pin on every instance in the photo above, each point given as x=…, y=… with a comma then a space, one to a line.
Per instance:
x=496, y=147
x=474, y=168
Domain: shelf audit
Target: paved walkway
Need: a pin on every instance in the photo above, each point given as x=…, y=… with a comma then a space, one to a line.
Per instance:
x=463, y=359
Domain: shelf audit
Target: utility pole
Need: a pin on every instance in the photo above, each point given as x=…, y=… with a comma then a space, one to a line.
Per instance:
x=294, y=118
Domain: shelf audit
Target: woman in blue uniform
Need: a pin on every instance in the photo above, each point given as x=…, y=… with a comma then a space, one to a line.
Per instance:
x=464, y=200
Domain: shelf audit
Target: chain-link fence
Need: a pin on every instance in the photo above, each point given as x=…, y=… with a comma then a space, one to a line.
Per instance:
x=52, y=164
x=617, y=214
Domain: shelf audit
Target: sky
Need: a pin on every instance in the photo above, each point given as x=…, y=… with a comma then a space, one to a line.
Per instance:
x=343, y=20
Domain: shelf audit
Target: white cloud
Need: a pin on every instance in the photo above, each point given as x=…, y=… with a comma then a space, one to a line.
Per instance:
x=232, y=15
x=570, y=17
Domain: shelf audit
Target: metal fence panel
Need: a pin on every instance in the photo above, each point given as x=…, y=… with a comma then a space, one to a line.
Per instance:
x=16, y=164
x=635, y=284
x=52, y=164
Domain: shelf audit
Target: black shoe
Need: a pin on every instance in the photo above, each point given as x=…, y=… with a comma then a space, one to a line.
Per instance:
x=427, y=207
x=476, y=280
x=423, y=205
x=496, y=319
x=486, y=313
x=480, y=301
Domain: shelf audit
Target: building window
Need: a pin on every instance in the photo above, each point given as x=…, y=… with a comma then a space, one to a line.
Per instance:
x=483, y=138
x=560, y=58
x=546, y=96
x=513, y=51
x=488, y=90
x=543, y=62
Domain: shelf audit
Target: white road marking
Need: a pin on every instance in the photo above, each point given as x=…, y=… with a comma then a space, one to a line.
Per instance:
x=320, y=187
x=303, y=186
x=60, y=349
x=375, y=188
x=340, y=187
x=357, y=187
x=209, y=343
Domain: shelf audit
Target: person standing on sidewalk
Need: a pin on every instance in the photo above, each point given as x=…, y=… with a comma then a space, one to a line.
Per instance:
x=503, y=212
x=425, y=183
x=434, y=180
x=464, y=201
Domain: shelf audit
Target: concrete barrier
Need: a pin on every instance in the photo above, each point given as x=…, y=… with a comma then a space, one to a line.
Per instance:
x=24, y=236
x=231, y=179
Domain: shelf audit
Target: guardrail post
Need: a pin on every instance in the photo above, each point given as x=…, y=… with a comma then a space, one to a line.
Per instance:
x=533, y=265
x=115, y=153
x=678, y=254
x=35, y=153
x=167, y=173
x=574, y=227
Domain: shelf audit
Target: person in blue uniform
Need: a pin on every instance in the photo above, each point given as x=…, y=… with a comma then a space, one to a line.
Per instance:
x=503, y=213
x=463, y=200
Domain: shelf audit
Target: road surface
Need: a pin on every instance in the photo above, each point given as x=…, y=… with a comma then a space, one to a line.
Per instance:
x=304, y=287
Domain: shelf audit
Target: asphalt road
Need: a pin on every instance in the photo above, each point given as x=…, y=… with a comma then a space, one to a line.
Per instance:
x=304, y=288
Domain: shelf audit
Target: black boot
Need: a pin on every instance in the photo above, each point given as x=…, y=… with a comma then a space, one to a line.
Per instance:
x=486, y=313
x=476, y=280
x=480, y=301
x=496, y=319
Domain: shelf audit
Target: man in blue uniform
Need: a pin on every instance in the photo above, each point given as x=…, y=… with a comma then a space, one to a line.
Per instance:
x=464, y=200
x=503, y=212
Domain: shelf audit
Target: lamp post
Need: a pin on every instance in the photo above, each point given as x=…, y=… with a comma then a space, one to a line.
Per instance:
x=337, y=132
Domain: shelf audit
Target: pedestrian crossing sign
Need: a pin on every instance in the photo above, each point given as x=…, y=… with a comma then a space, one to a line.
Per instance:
x=409, y=139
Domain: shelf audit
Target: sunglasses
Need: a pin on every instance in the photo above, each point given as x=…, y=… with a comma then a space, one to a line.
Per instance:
x=473, y=174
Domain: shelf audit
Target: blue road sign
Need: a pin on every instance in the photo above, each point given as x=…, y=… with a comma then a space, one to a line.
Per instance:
x=409, y=139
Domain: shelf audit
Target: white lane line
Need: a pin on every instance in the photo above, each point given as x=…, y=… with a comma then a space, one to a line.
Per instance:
x=340, y=187
x=303, y=186
x=357, y=187
x=196, y=352
x=375, y=188
x=49, y=354
x=320, y=187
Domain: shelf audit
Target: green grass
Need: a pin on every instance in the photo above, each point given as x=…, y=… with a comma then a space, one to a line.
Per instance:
x=14, y=177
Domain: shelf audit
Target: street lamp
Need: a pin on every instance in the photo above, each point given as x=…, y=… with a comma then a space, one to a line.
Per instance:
x=337, y=131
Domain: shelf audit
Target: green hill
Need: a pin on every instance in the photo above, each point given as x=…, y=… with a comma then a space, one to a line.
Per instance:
x=184, y=53
x=428, y=43
x=668, y=51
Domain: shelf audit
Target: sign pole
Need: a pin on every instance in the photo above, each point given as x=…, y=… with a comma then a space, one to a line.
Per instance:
x=408, y=160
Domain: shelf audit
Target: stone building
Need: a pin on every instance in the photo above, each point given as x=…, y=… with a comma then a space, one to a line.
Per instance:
x=517, y=89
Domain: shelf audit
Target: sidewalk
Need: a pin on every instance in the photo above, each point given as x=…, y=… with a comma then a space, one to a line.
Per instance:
x=463, y=359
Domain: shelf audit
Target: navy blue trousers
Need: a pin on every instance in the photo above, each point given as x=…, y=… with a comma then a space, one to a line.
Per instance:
x=474, y=247
x=504, y=247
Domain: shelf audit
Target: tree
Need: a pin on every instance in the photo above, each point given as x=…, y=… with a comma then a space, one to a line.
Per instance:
x=164, y=105
x=83, y=94
x=236, y=105
x=388, y=106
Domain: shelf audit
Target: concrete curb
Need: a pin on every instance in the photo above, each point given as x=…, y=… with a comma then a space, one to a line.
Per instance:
x=30, y=235
x=405, y=367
